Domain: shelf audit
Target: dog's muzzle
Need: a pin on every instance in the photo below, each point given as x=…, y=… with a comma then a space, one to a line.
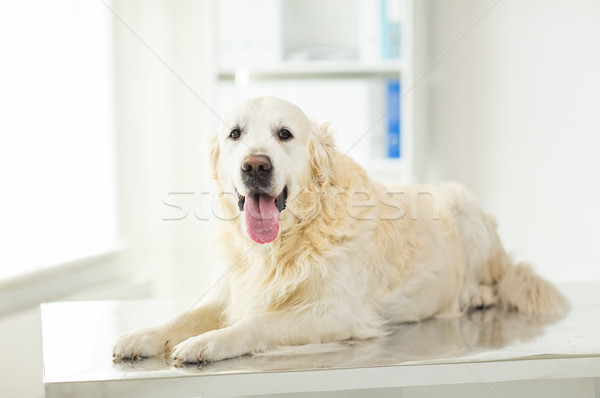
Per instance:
x=260, y=206
x=257, y=172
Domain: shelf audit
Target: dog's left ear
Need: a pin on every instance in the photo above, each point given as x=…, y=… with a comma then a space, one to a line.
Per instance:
x=322, y=152
x=213, y=154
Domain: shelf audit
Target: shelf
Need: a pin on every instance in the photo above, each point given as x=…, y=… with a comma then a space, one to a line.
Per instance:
x=338, y=73
x=314, y=69
x=387, y=163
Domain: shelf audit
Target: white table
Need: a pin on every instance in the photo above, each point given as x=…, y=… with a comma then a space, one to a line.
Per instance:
x=489, y=353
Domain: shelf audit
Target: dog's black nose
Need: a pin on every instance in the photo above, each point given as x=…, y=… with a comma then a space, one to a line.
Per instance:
x=256, y=164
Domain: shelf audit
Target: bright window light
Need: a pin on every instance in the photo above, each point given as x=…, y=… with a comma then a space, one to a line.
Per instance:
x=57, y=146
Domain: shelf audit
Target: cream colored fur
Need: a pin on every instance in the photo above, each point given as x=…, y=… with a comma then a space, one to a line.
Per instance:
x=351, y=255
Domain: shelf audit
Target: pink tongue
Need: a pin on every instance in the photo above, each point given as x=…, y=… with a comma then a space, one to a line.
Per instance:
x=262, y=217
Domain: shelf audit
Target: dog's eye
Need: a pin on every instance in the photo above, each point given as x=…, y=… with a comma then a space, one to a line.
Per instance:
x=235, y=134
x=285, y=134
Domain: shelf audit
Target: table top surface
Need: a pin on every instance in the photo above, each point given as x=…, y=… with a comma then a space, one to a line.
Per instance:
x=78, y=339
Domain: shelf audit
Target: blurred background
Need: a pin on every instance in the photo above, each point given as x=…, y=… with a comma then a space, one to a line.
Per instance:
x=106, y=107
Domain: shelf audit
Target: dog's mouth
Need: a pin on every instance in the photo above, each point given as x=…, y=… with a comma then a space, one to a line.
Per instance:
x=262, y=214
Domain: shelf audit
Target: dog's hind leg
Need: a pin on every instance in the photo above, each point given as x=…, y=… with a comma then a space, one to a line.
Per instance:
x=484, y=297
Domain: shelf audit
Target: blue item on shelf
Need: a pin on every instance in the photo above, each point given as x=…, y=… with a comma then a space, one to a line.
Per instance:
x=393, y=119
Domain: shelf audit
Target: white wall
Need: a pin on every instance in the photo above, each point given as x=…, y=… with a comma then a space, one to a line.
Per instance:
x=160, y=126
x=163, y=75
x=515, y=108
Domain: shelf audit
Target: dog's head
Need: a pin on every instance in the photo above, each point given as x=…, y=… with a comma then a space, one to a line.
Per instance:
x=267, y=152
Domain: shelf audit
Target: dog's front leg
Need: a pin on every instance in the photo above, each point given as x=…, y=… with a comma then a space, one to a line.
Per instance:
x=156, y=340
x=260, y=333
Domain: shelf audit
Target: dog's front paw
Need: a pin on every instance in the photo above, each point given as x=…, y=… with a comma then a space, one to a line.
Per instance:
x=208, y=347
x=147, y=342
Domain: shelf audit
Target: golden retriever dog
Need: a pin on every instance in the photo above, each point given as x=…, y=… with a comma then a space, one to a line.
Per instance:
x=318, y=252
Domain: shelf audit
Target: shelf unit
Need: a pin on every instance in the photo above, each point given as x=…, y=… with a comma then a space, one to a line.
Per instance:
x=319, y=69
x=347, y=89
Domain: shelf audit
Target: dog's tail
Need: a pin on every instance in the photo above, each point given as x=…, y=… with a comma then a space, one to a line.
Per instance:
x=521, y=289
x=515, y=285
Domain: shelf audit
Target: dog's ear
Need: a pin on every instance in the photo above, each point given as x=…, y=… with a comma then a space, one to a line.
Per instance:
x=213, y=154
x=322, y=152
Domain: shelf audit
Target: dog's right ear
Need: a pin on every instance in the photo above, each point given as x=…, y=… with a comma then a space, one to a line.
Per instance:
x=213, y=154
x=322, y=152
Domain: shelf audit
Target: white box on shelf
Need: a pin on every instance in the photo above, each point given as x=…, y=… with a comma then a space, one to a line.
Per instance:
x=249, y=33
x=316, y=29
x=369, y=30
